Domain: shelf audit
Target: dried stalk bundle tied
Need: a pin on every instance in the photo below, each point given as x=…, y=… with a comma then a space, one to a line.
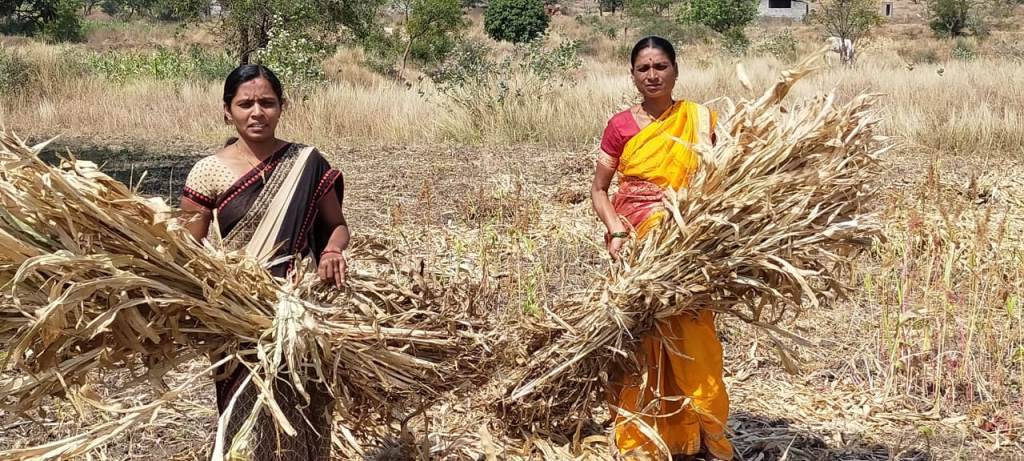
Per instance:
x=98, y=279
x=774, y=213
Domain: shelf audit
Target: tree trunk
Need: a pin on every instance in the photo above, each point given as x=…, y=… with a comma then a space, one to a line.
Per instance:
x=405, y=59
x=244, y=48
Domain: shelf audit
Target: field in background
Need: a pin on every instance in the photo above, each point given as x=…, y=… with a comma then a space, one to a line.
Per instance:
x=925, y=361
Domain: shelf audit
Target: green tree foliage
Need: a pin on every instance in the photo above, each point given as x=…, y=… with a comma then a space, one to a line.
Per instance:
x=66, y=25
x=56, y=20
x=429, y=26
x=610, y=6
x=955, y=18
x=248, y=24
x=848, y=20
x=720, y=15
x=516, y=21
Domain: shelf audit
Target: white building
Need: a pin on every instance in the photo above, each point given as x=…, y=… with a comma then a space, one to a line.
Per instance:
x=792, y=9
x=893, y=10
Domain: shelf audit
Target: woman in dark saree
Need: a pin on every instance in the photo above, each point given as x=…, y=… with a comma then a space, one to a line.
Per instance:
x=273, y=200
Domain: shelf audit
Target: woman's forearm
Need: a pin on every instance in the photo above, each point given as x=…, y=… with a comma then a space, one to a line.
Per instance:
x=338, y=240
x=605, y=211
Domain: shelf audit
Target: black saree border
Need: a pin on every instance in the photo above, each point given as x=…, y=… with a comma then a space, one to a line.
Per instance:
x=199, y=198
x=251, y=177
x=327, y=183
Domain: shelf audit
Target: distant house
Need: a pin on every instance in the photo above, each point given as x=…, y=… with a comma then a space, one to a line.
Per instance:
x=792, y=9
x=893, y=10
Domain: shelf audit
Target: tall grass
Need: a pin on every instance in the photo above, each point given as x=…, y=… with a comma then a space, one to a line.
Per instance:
x=949, y=286
x=971, y=107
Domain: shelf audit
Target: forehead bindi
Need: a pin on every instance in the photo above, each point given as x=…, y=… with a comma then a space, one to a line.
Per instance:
x=255, y=89
x=651, y=56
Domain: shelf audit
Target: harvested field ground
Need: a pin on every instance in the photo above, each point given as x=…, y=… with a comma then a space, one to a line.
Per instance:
x=526, y=209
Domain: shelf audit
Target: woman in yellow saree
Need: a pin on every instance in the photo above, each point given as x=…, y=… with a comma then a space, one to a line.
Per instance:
x=676, y=390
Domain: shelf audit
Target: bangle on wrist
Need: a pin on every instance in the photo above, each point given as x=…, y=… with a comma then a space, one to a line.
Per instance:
x=619, y=235
x=328, y=251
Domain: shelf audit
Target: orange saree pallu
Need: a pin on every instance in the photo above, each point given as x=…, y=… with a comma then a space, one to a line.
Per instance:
x=675, y=400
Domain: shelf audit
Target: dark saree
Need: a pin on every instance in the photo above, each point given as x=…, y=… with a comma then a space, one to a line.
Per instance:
x=271, y=213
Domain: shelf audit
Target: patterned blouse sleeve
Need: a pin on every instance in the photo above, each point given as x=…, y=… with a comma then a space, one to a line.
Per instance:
x=200, y=185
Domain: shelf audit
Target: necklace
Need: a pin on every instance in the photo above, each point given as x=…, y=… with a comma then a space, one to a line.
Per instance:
x=642, y=112
x=253, y=161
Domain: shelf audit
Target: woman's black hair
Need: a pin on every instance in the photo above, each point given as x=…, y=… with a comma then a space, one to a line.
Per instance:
x=245, y=73
x=653, y=41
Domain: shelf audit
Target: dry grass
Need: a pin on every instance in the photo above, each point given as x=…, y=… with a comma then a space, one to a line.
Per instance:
x=965, y=107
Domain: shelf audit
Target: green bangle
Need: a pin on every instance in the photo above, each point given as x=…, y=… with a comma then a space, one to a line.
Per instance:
x=619, y=235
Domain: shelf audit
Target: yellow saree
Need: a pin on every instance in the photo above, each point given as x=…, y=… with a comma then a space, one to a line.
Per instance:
x=678, y=392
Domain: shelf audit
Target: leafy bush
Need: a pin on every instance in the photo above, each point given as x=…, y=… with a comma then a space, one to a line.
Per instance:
x=66, y=25
x=54, y=20
x=955, y=18
x=782, y=45
x=164, y=64
x=516, y=21
x=964, y=50
x=609, y=5
x=735, y=42
x=720, y=15
x=474, y=81
x=293, y=55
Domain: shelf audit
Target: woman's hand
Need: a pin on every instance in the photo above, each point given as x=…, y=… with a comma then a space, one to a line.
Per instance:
x=332, y=267
x=615, y=242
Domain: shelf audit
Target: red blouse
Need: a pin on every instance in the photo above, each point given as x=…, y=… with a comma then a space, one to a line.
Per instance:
x=621, y=128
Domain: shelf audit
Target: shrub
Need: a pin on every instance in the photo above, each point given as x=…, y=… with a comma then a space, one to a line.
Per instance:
x=782, y=45
x=720, y=15
x=163, y=64
x=516, y=21
x=472, y=80
x=66, y=25
x=954, y=18
x=293, y=55
x=963, y=50
x=735, y=42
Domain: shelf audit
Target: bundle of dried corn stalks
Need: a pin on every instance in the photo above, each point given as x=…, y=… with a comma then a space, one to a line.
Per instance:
x=98, y=279
x=775, y=211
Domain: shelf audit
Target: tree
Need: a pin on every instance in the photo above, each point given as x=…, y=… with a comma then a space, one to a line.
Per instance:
x=847, y=20
x=246, y=28
x=954, y=18
x=609, y=5
x=90, y=5
x=428, y=28
x=516, y=21
x=57, y=20
x=720, y=15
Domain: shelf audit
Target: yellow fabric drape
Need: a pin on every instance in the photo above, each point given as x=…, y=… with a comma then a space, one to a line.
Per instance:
x=679, y=392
